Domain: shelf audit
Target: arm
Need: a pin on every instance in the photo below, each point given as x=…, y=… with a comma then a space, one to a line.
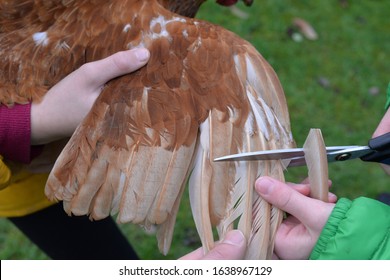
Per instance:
x=69, y=101
x=357, y=229
x=63, y=107
x=384, y=127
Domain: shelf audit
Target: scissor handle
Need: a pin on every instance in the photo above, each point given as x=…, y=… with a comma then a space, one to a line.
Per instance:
x=381, y=146
x=380, y=143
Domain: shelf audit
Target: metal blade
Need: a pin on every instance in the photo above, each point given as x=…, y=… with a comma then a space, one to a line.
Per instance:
x=340, y=155
x=296, y=155
x=292, y=154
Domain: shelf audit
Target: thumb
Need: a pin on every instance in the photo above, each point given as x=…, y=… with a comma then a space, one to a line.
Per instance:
x=287, y=199
x=99, y=72
x=232, y=247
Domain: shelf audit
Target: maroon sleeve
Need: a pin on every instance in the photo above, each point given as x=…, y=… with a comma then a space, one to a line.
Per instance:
x=15, y=133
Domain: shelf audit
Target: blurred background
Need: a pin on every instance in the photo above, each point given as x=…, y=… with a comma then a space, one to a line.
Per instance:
x=336, y=82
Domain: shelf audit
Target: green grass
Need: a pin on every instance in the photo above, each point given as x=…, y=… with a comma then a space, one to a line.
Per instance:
x=352, y=53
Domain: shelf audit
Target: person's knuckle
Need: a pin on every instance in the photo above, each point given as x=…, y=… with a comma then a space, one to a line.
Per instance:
x=284, y=199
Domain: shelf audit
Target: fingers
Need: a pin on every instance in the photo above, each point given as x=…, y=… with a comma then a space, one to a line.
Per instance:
x=195, y=255
x=304, y=188
x=231, y=248
x=289, y=200
x=384, y=125
x=301, y=188
x=332, y=198
x=306, y=181
x=99, y=72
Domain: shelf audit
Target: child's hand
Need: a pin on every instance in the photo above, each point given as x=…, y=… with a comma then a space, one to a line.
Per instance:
x=299, y=232
x=231, y=248
x=67, y=103
x=384, y=125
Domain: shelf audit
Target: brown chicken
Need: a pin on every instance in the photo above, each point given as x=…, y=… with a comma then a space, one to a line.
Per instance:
x=205, y=93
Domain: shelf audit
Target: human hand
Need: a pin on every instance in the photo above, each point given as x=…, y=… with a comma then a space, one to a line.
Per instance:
x=232, y=247
x=299, y=232
x=384, y=125
x=67, y=103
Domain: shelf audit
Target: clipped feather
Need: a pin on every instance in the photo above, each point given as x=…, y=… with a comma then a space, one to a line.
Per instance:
x=317, y=164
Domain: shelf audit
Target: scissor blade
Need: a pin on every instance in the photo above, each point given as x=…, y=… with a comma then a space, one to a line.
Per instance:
x=275, y=154
x=352, y=152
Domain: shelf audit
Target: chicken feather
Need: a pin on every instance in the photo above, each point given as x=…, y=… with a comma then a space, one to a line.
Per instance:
x=204, y=93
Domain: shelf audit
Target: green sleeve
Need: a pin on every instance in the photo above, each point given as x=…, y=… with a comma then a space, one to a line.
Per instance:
x=387, y=105
x=358, y=229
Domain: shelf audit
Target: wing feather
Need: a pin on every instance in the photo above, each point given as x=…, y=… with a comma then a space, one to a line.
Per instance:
x=199, y=188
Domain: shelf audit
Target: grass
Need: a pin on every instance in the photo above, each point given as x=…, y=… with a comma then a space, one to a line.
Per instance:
x=352, y=54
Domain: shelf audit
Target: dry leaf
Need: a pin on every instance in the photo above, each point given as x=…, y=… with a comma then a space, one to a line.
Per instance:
x=239, y=13
x=305, y=28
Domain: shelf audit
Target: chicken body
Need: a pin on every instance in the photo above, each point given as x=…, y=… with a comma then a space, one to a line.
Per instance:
x=205, y=93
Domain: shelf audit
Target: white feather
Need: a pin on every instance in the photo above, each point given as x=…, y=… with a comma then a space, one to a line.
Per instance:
x=259, y=115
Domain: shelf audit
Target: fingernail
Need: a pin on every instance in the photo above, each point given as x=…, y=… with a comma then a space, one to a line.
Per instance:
x=234, y=237
x=332, y=196
x=142, y=54
x=265, y=185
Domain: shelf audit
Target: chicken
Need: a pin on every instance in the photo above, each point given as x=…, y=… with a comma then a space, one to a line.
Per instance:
x=205, y=93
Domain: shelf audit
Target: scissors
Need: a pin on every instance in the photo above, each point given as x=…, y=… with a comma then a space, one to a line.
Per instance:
x=377, y=150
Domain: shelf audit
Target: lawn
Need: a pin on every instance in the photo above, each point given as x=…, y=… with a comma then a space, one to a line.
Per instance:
x=336, y=83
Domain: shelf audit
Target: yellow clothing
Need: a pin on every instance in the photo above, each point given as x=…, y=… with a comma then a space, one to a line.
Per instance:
x=21, y=194
x=5, y=174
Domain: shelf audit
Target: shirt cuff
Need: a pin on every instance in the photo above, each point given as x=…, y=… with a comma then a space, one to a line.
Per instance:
x=15, y=134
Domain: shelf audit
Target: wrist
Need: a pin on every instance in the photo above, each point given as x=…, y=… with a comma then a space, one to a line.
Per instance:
x=38, y=125
x=44, y=123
